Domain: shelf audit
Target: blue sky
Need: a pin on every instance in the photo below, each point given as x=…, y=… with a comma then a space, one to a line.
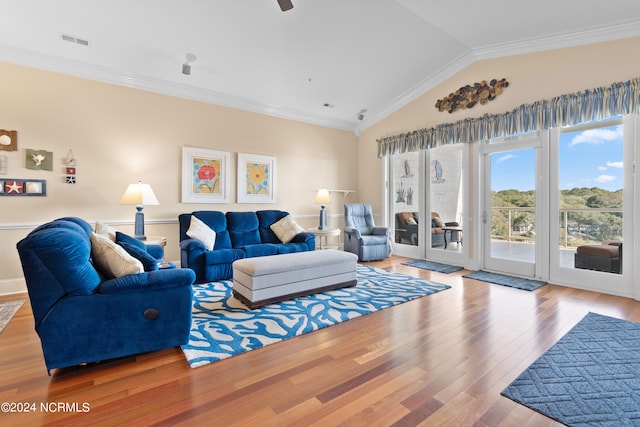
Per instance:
x=588, y=158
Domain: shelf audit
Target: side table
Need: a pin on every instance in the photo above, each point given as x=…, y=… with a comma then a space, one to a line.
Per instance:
x=323, y=236
x=455, y=235
x=156, y=240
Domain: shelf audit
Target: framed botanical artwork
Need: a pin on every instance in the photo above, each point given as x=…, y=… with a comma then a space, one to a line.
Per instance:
x=205, y=176
x=256, y=178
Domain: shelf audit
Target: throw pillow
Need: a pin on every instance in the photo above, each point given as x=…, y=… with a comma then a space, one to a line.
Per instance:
x=112, y=259
x=106, y=230
x=286, y=229
x=138, y=250
x=200, y=231
x=411, y=221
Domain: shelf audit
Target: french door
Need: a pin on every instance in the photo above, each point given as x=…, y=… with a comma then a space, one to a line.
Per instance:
x=421, y=185
x=591, y=194
x=513, y=206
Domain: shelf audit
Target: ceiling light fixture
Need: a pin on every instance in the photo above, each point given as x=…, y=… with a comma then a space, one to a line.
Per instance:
x=186, y=67
x=361, y=114
x=285, y=5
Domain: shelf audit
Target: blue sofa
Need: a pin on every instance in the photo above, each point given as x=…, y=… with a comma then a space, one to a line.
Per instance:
x=81, y=316
x=238, y=235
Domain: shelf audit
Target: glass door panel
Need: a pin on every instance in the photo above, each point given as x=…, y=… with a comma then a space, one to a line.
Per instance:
x=405, y=218
x=510, y=213
x=445, y=210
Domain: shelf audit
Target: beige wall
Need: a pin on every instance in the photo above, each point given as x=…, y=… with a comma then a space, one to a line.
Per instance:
x=120, y=135
x=531, y=77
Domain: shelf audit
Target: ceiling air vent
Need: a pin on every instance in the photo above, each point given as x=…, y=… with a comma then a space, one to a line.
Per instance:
x=76, y=40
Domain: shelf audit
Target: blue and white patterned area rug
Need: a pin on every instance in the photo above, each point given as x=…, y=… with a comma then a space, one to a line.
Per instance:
x=590, y=377
x=223, y=327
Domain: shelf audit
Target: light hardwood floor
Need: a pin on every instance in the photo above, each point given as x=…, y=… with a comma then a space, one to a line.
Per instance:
x=439, y=360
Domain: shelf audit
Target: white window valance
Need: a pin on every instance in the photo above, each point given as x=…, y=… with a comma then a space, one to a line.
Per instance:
x=620, y=98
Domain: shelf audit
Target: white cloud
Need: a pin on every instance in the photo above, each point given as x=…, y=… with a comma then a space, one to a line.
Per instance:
x=505, y=158
x=605, y=178
x=615, y=164
x=602, y=168
x=597, y=136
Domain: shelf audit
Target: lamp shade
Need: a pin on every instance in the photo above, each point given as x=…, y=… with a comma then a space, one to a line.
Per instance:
x=323, y=197
x=139, y=194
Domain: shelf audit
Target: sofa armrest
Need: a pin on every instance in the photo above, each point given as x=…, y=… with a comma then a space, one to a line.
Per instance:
x=380, y=231
x=303, y=237
x=152, y=280
x=156, y=251
x=192, y=245
x=352, y=233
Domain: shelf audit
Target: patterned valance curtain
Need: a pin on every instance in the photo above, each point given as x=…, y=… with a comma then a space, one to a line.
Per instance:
x=618, y=99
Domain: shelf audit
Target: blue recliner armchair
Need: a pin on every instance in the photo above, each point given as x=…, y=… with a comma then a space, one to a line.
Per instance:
x=81, y=316
x=361, y=236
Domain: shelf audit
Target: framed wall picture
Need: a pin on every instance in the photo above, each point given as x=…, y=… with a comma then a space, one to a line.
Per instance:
x=256, y=178
x=8, y=140
x=39, y=160
x=23, y=187
x=205, y=176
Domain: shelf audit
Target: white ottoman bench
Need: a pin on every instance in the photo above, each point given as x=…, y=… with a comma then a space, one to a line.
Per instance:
x=264, y=280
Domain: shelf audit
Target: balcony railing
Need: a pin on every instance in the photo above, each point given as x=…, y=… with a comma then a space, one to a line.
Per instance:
x=574, y=230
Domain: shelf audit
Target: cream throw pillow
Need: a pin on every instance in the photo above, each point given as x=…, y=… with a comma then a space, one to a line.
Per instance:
x=106, y=230
x=112, y=259
x=286, y=229
x=200, y=231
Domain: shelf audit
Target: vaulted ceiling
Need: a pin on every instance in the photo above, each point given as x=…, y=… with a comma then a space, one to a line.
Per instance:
x=338, y=63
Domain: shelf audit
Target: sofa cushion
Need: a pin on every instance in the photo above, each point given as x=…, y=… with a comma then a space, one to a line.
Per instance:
x=243, y=228
x=138, y=250
x=266, y=218
x=223, y=256
x=286, y=229
x=261, y=249
x=111, y=259
x=435, y=220
x=200, y=231
x=290, y=248
x=371, y=239
x=607, y=251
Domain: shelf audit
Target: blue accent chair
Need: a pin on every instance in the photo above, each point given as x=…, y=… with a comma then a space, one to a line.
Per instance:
x=361, y=236
x=82, y=317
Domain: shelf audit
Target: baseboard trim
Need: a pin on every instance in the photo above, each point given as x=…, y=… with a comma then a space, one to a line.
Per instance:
x=12, y=286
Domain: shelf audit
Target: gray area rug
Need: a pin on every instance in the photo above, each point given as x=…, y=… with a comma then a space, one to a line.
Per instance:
x=433, y=266
x=7, y=311
x=590, y=377
x=505, y=280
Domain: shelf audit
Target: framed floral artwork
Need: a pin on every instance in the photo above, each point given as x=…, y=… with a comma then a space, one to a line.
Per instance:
x=256, y=178
x=205, y=176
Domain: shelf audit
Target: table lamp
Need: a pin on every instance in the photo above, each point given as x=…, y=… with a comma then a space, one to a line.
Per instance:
x=323, y=198
x=139, y=194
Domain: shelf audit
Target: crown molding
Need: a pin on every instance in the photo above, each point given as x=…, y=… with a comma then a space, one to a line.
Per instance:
x=165, y=87
x=453, y=67
x=618, y=32
x=559, y=41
